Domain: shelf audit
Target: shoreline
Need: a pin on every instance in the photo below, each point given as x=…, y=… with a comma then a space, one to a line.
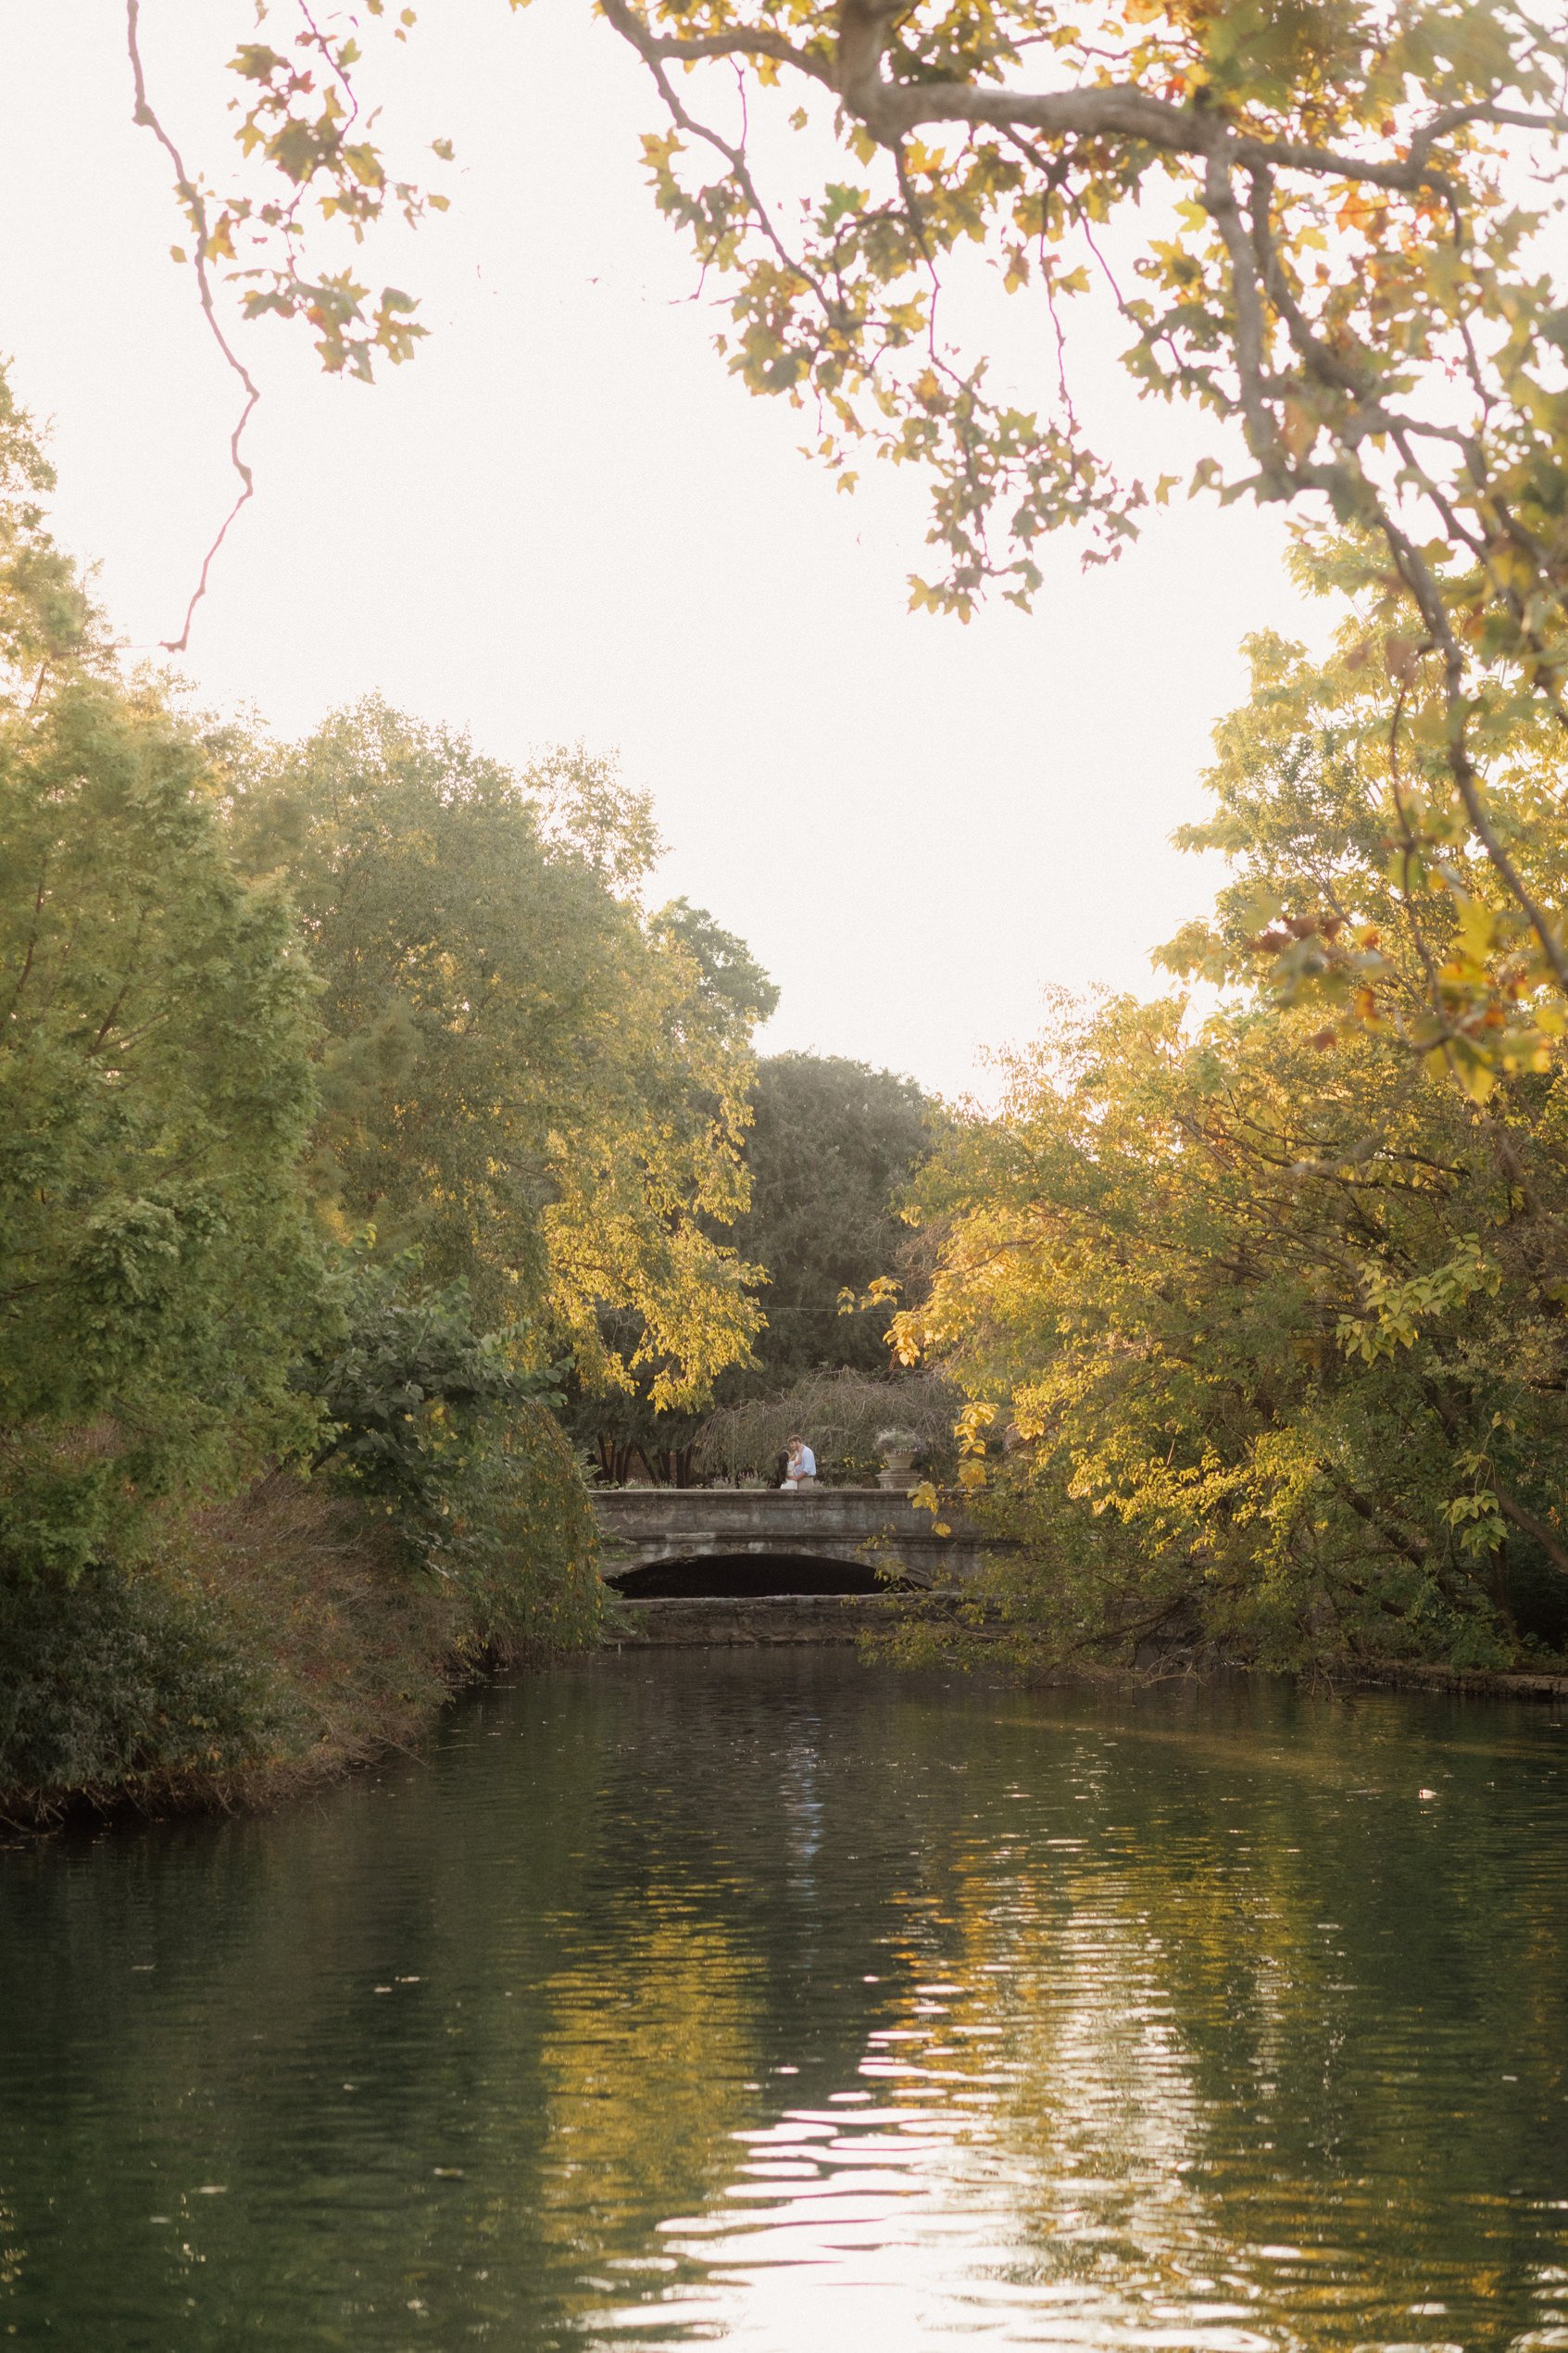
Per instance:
x=1474, y=1682
x=714, y=1622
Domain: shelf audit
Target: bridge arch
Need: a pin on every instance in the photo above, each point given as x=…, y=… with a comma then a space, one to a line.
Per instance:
x=743, y=1577
x=669, y=1541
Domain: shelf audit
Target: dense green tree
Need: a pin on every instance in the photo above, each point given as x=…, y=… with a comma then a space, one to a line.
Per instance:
x=832, y=1145
x=157, y=1273
x=733, y=984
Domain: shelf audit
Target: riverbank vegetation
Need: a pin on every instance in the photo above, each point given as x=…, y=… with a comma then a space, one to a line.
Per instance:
x=1262, y=1314
x=347, y=1090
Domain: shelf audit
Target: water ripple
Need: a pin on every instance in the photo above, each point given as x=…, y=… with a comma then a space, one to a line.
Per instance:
x=782, y=2003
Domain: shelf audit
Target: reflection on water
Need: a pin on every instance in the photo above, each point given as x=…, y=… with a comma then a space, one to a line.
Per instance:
x=774, y=2001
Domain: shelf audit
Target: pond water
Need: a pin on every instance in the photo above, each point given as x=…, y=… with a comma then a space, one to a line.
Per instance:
x=771, y=2000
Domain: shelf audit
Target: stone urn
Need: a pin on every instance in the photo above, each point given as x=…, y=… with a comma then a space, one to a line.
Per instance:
x=897, y=1449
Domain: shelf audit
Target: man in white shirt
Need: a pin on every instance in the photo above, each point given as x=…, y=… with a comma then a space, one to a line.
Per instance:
x=800, y=1466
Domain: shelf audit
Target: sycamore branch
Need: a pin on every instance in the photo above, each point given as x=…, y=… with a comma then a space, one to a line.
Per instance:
x=743, y=42
x=891, y=110
x=1285, y=377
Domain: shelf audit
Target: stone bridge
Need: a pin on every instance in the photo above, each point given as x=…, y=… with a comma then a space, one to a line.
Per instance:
x=680, y=1540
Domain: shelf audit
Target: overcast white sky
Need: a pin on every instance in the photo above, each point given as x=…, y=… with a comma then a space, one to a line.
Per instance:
x=563, y=520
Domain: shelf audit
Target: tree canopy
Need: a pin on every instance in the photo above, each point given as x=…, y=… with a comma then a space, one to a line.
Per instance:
x=344, y=1090
x=1335, y=212
x=309, y=1053
x=1322, y=223
x=527, y=1077
x=1272, y=1317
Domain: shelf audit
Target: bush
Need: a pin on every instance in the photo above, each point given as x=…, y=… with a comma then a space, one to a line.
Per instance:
x=262, y=1642
x=407, y=1386
x=458, y=1447
x=121, y=1678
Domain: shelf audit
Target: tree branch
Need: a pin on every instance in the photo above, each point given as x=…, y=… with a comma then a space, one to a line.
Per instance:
x=190, y=197
x=1521, y=1518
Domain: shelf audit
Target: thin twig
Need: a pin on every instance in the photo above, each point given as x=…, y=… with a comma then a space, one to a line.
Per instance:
x=191, y=198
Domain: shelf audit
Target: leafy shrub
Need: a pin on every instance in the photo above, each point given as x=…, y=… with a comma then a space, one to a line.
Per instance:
x=262, y=1641
x=437, y=1426
x=122, y=1676
x=407, y=1386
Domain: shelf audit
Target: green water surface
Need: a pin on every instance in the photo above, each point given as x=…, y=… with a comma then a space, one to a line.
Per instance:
x=775, y=2001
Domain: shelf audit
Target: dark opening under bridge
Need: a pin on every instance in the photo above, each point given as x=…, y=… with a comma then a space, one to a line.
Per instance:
x=665, y=1542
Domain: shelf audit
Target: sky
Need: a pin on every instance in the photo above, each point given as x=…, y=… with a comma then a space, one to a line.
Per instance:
x=562, y=522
